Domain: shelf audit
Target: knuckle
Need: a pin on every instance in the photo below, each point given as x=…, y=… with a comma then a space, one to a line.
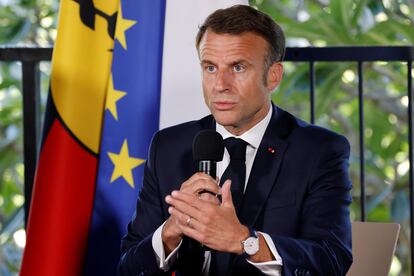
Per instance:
x=203, y=229
x=210, y=213
x=208, y=220
x=207, y=197
x=203, y=238
x=193, y=200
x=199, y=175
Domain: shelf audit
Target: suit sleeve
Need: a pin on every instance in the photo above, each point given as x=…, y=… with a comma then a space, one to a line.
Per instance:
x=323, y=246
x=137, y=254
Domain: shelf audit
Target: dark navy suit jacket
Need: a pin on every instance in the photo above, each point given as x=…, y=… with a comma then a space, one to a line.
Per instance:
x=299, y=195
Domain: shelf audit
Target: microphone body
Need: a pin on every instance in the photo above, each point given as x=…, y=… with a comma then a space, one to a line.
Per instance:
x=208, y=166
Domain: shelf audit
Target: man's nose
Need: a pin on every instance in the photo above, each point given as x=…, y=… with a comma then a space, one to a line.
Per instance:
x=223, y=81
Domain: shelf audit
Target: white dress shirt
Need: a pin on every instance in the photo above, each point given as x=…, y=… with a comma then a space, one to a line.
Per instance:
x=253, y=137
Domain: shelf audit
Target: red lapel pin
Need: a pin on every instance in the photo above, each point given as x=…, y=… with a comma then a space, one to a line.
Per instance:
x=271, y=150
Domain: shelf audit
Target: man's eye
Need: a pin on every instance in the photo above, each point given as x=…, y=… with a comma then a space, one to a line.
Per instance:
x=210, y=68
x=238, y=68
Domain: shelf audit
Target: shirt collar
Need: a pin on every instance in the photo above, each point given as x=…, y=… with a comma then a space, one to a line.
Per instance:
x=254, y=135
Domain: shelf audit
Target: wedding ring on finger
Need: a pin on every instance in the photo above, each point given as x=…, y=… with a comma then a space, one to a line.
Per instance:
x=188, y=221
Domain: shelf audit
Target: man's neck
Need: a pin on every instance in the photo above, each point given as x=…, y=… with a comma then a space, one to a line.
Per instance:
x=252, y=135
x=240, y=130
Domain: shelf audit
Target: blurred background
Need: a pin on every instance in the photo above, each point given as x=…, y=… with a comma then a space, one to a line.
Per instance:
x=306, y=23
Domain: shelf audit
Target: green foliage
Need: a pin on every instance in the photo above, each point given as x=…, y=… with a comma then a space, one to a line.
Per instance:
x=352, y=22
x=11, y=163
x=28, y=22
x=306, y=23
x=23, y=22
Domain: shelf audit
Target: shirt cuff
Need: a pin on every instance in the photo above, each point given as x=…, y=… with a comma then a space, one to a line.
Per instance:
x=271, y=267
x=163, y=263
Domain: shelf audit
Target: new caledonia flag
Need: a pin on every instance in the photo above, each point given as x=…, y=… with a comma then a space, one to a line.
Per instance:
x=121, y=70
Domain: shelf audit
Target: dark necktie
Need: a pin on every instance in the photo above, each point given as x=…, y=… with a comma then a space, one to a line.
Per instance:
x=236, y=170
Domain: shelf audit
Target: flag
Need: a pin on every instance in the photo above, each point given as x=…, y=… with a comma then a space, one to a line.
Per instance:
x=131, y=118
x=62, y=200
x=113, y=86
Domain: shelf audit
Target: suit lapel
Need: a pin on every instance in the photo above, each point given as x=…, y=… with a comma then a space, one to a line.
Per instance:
x=266, y=166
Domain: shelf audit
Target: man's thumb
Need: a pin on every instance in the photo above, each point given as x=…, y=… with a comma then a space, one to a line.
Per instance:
x=226, y=194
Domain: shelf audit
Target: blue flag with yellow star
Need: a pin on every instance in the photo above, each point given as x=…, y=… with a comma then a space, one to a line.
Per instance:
x=130, y=120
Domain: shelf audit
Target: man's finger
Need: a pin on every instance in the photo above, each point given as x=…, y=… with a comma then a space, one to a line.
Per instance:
x=180, y=217
x=199, y=182
x=226, y=198
x=197, y=176
x=192, y=200
x=186, y=224
x=206, y=186
x=189, y=206
x=209, y=198
x=193, y=232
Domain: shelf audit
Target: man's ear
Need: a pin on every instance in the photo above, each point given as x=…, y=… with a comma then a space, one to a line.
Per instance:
x=274, y=75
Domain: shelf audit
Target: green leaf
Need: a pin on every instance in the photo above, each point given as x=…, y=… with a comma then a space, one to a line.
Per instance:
x=380, y=214
x=403, y=29
x=340, y=11
x=360, y=5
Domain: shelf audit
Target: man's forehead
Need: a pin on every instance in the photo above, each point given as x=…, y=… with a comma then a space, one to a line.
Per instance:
x=232, y=47
x=211, y=36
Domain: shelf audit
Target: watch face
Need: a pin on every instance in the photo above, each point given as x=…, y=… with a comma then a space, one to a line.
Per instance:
x=251, y=245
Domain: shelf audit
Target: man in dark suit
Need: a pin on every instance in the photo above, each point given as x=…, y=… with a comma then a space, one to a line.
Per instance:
x=285, y=214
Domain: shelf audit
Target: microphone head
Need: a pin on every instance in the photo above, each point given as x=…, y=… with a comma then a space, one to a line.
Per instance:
x=208, y=145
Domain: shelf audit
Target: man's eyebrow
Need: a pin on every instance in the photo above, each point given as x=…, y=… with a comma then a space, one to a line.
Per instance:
x=206, y=61
x=240, y=61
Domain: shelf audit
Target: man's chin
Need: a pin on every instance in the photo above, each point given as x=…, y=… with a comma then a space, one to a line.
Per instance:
x=225, y=121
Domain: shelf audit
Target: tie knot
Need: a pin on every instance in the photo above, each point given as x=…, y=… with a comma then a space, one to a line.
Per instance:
x=236, y=148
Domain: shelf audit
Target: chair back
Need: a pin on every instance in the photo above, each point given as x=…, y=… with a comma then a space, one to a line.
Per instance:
x=373, y=247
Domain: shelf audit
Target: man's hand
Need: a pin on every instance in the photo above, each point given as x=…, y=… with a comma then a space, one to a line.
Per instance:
x=204, y=219
x=172, y=233
x=214, y=225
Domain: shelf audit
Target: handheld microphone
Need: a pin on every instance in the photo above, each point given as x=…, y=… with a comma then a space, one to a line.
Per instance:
x=208, y=149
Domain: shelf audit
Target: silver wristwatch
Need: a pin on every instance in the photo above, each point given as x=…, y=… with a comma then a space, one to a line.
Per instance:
x=251, y=244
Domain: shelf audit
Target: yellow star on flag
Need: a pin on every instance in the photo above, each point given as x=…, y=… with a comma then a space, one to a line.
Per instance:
x=124, y=164
x=122, y=25
x=112, y=97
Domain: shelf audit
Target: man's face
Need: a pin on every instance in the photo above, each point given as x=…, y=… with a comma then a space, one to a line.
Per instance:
x=233, y=79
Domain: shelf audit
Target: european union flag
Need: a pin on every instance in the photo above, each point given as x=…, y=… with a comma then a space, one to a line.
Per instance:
x=131, y=118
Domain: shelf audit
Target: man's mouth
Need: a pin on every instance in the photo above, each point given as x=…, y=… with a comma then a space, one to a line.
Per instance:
x=223, y=105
